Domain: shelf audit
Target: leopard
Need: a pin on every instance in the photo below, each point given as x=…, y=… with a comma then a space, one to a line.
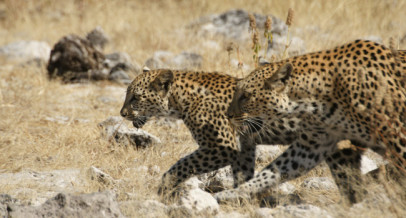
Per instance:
x=201, y=100
x=354, y=92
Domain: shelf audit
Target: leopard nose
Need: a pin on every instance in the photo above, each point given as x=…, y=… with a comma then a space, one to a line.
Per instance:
x=124, y=112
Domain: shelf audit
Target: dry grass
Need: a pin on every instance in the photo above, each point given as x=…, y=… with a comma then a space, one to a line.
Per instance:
x=27, y=98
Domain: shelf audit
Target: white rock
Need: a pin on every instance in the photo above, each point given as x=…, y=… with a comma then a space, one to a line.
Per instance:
x=101, y=204
x=100, y=176
x=55, y=181
x=115, y=128
x=193, y=183
x=199, y=201
x=23, y=51
x=218, y=180
x=302, y=210
x=319, y=183
x=286, y=188
x=234, y=25
x=367, y=164
x=154, y=170
x=266, y=153
x=231, y=215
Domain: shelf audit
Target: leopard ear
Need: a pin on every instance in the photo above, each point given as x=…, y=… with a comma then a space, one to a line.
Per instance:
x=279, y=78
x=162, y=82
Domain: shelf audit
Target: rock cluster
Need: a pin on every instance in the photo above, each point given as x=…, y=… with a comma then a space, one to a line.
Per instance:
x=77, y=59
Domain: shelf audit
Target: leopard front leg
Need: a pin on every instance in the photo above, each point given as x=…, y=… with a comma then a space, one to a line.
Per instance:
x=203, y=160
x=244, y=164
x=294, y=162
x=216, y=139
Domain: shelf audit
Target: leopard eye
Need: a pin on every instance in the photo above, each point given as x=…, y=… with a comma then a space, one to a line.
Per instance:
x=245, y=96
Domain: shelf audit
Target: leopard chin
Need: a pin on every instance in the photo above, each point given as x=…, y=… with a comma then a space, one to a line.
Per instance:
x=139, y=122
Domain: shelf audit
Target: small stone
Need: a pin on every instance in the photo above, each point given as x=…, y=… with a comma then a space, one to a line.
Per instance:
x=367, y=165
x=218, y=180
x=100, y=176
x=193, y=183
x=286, y=188
x=231, y=214
x=199, y=201
x=266, y=153
x=115, y=128
x=154, y=170
x=319, y=183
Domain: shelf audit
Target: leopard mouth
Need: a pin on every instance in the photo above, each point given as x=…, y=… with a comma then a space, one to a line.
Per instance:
x=139, y=122
x=253, y=125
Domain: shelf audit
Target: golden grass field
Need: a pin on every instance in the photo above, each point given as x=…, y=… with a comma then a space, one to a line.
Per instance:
x=29, y=141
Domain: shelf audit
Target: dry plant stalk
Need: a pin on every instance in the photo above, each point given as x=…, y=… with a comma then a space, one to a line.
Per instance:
x=268, y=35
x=289, y=21
x=240, y=63
x=255, y=39
x=230, y=49
x=394, y=50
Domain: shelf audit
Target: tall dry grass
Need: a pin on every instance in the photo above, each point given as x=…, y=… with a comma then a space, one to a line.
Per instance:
x=28, y=140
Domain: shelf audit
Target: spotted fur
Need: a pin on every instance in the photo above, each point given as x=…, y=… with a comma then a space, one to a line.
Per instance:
x=355, y=91
x=201, y=100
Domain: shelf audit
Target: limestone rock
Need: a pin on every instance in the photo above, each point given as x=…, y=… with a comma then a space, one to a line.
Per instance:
x=25, y=51
x=319, y=183
x=102, y=204
x=77, y=59
x=296, y=46
x=218, y=180
x=25, y=184
x=266, y=153
x=100, y=176
x=114, y=128
x=6, y=202
x=234, y=25
x=98, y=38
x=199, y=201
x=231, y=214
x=286, y=188
x=182, y=61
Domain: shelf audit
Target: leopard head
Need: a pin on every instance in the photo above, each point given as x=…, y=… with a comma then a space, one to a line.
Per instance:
x=253, y=94
x=147, y=96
